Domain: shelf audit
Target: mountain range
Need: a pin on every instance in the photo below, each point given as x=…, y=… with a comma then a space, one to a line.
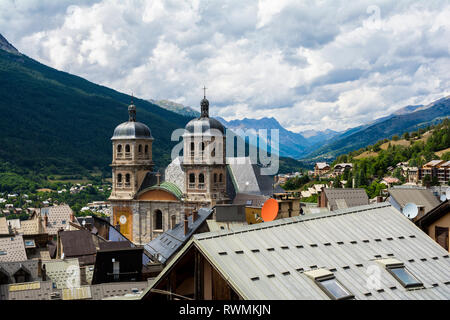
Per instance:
x=57, y=123
x=53, y=121
x=406, y=119
x=310, y=146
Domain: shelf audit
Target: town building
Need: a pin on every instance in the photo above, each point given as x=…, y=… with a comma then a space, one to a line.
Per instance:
x=436, y=223
x=423, y=198
x=146, y=203
x=341, y=167
x=337, y=198
x=321, y=168
x=318, y=257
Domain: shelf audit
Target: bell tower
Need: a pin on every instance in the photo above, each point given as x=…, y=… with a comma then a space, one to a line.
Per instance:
x=204, y=159
x=132, y=156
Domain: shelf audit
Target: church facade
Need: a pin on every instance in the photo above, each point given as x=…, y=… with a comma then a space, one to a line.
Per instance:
x=144, y=203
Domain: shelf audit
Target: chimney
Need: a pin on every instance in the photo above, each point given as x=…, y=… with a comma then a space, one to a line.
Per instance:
x=186, y=228
x=194, y=215
x=43, y=272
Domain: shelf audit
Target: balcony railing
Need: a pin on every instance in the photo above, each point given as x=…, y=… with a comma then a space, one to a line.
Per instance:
x=191, y=185
x=201, y=186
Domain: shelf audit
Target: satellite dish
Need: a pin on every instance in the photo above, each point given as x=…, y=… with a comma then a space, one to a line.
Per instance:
x=447, y=194
x=443, y=197
x=269, y=210
x=410, y=210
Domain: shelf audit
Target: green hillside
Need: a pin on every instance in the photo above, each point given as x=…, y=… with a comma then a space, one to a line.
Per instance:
x=55, y=122
x=385, y=128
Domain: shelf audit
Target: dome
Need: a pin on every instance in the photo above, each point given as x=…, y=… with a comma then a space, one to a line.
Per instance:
x=132, y=129
x=202, y=125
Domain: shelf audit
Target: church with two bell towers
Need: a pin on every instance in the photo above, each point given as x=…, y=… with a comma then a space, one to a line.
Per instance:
x=146, y=203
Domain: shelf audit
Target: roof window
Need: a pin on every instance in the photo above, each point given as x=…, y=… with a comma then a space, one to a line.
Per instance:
x=329, y=284
x=398, y=270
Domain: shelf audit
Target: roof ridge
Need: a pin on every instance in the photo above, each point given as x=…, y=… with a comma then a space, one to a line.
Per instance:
x=290, y=220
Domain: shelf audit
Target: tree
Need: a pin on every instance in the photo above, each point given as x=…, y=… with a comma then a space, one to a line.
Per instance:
x=406, y=136
x=426, y=181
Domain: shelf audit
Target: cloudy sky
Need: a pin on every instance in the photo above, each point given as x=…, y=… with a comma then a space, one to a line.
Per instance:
x=310, y=64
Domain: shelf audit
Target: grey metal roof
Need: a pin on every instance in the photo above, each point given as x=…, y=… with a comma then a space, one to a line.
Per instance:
x=204, y=124
x=163, y=247
x=345, y=198
x=268, y=260
x=131, y=130
x=421, y=197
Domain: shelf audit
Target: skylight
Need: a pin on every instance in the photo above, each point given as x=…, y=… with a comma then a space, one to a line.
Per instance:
x=334, y=289
x=327, y=281
x=405, y=277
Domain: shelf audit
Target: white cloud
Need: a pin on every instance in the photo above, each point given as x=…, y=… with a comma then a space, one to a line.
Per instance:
x=310, y=64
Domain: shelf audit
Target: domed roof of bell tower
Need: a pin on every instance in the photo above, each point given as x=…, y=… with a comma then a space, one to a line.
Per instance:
x=131, y=129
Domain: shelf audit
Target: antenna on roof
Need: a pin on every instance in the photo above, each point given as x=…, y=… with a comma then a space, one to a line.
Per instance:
x=410, y=210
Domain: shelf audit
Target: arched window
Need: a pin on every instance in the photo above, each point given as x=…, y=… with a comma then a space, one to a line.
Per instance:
x=158, y=220
x=119, y=150
x=173, y=221
x=119, y=179
x=221, y=178
x=215, y=177
x=140, y=148
x=201, y=146
x=213, y=153
x=201, y=181
x=127, y=148
x=146, y=148
x=127, y=178
x=191, y=180
x=192, y=149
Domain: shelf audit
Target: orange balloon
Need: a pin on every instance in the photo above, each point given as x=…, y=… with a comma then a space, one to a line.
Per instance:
x=269, y=210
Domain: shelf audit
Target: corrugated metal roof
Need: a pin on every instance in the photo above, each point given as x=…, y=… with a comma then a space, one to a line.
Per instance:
x=268, y=260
